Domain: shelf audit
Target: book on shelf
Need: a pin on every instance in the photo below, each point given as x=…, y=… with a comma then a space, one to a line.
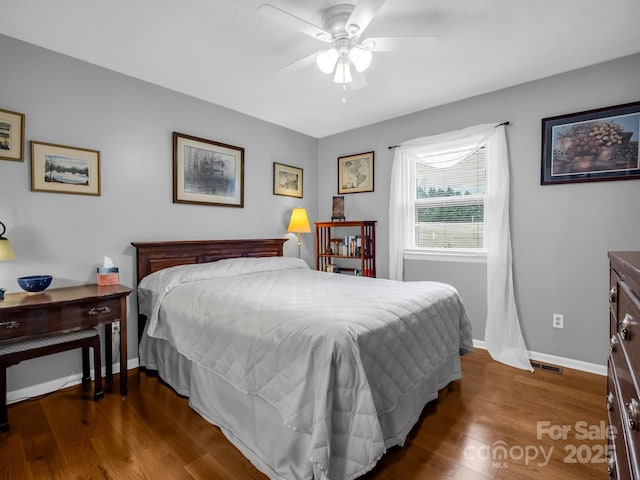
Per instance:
x=353, y=245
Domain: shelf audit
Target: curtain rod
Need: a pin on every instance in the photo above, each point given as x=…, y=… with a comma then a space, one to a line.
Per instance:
x=498, y=125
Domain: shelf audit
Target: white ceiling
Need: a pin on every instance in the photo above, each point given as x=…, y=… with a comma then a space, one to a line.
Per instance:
x=223, y=52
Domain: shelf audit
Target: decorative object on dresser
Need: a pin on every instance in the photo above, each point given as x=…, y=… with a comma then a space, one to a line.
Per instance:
x=623, y=380
x=355, y=173
x=299, y=223
x=361, y=246
x=11, y=135
x=207, y=172
x=590, y=146
x=35, y=283
x=63, y=169
x=60, y=311
x=287, y=180
x=6, y=251
x=108, y=273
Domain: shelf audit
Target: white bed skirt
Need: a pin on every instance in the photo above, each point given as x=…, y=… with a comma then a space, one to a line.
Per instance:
x=256, y=428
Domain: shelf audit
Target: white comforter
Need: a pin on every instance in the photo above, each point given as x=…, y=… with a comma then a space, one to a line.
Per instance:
x=330, y=352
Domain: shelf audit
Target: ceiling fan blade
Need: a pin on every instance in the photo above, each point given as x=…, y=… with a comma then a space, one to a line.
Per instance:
x=359, y=80
x=388, y=44
x=362, y=15
x=298, y=64
x=274, y=13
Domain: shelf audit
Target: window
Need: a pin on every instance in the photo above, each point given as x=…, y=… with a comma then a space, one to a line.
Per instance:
x=448, y=203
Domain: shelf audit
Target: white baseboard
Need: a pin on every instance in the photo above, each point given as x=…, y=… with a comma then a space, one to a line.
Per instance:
x=59, y=383
x=561, y=361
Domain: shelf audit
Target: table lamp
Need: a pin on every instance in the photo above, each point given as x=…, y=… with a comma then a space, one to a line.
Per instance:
x=299, y=223
x=6, y=252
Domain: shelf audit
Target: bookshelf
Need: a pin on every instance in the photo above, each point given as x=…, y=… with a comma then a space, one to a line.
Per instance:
x=352, y=243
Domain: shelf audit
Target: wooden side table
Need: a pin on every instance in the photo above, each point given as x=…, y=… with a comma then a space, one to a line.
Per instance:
x=61, y=310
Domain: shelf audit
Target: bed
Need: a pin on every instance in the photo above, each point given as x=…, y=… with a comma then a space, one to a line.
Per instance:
x=311, y=375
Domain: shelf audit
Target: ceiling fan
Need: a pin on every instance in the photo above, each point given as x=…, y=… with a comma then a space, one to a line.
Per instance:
x=342, y=28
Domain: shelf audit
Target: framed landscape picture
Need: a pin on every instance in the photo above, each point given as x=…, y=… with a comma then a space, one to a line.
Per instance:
x=287, y=180
x=11, y=135
x=64, y=169
x=355, y=173
x=590, y=146
x=207, y=172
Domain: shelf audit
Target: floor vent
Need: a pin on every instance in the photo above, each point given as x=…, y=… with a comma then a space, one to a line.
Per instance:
x=546, y=367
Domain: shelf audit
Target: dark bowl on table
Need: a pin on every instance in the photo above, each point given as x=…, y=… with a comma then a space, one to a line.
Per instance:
x=35, y=283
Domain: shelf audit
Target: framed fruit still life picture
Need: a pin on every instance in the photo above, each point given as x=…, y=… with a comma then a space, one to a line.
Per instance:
x=594, y=145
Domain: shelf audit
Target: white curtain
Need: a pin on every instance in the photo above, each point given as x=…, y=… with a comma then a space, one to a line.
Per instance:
x=503, y=337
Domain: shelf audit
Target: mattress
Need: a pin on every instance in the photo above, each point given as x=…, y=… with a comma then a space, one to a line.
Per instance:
x=335, y=368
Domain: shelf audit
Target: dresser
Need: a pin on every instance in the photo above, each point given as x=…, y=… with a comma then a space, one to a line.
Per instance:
x=623, y=381
x=25, y=316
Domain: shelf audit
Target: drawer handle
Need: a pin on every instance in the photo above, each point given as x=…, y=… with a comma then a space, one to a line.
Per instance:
x=625, y=326
x=633, y=410
x=10, y=325
x=613, y=293
x=610, y=400
x=611, y=466
x=612, y=344
x=99, y=310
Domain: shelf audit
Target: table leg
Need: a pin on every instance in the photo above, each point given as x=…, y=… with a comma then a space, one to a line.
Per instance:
x=108, y=351
x=123, y=346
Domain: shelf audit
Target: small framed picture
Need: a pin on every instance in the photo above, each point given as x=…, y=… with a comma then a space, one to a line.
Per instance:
x=207, y=172
x=355, y=173
x=64, y=169
x=11, y=135
x=287, y=180
x=591, y=146
x=337, y=211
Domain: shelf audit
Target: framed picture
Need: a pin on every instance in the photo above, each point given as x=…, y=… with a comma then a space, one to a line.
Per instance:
x=594, y=145
x=207, y=172
x=11, y=135
x=287, y=180
x=337, y=208
x=355, y=173
x=63, y=169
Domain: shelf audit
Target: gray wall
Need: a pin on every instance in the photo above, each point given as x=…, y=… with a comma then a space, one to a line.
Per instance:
x=560, y=233
x=70, y=102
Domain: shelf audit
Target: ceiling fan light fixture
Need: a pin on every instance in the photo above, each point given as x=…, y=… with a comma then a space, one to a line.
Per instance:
x=326, y=60
x=360, y=58
x=343, y=72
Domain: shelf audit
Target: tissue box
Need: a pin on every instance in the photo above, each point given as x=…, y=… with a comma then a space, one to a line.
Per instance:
x=107, y=276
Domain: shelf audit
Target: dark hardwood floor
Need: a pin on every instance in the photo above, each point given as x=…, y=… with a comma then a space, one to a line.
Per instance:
x=496, y=423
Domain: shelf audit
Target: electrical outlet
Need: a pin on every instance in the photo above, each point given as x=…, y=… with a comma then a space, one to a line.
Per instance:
x=558, y=320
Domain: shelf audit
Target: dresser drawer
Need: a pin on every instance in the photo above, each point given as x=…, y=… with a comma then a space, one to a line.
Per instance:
x=628, y=401
x=73, y=316
x=629, y=325
x=618, y=458
x=613, y=301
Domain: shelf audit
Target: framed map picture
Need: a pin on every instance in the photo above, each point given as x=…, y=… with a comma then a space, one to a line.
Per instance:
x=355, y=173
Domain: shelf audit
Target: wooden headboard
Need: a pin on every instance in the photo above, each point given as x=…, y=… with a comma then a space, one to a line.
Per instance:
x=154, y=256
